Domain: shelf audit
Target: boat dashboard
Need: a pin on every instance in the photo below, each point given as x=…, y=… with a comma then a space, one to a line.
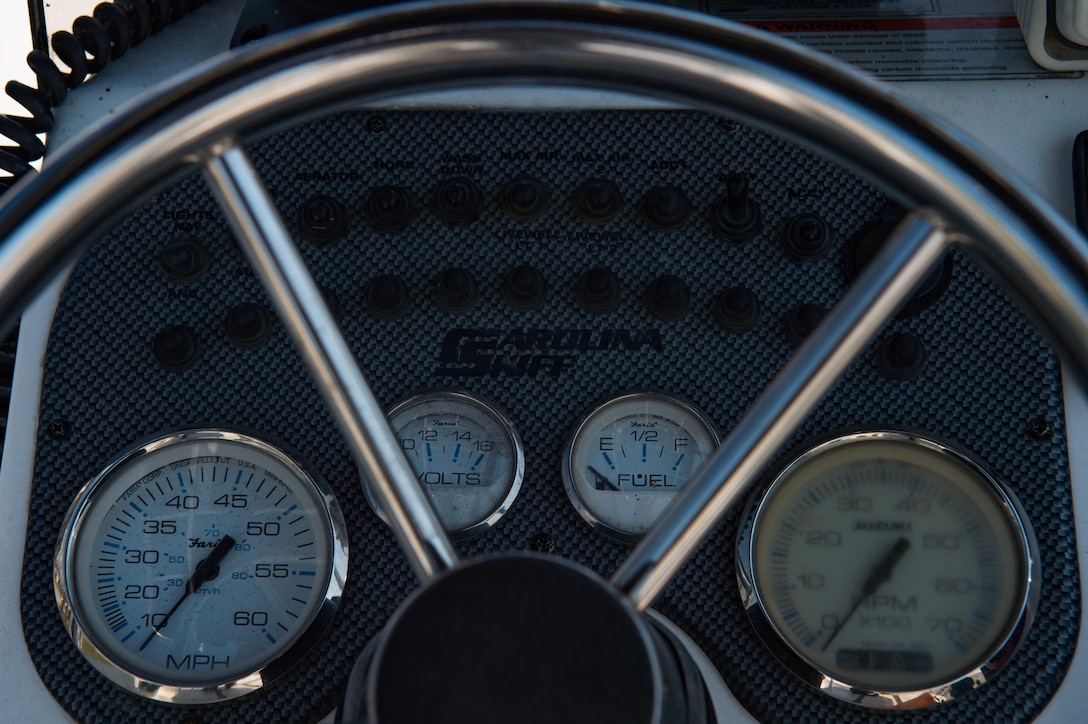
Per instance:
x=563, y=300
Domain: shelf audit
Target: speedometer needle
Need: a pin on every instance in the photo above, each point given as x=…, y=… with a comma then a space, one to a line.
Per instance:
x=205, y=570
x=878, y=576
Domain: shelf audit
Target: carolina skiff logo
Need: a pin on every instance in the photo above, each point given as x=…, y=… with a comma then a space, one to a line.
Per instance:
x=532, y=352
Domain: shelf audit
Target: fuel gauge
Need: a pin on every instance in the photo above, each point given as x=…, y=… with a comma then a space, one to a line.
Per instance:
x=466, y=455
x=629, y=456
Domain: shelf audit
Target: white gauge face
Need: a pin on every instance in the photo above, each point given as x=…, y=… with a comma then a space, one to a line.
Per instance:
x=465, y=454
x=630, y=456
x=889, y=565
x=197, y=566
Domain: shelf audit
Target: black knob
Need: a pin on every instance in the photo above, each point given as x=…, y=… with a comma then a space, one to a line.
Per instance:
x=665, y=208
x=667, y=298
x=598, y=200
x=386, y=297
x=524, y=288
x=457, y=201
x=901, y=357
x=864, y=246
x=598, y=290
x=736, y=217
x=390, y=209
x=184, y=260
x=247, y=325
x=455, y=290
x=738, y=310
x=805, y=237
x=524, y=198
x=801, y=321
x=322, y=219
x=177, y=348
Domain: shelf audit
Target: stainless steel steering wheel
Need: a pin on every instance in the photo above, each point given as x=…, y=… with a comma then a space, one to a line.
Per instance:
x=204, y=121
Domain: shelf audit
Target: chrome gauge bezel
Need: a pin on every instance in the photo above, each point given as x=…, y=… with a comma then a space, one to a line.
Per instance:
x=98, y=653
x=504, y=425
x=587, y=513
x=999, y=652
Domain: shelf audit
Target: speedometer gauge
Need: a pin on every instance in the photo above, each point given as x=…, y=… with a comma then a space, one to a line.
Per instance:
x=199, y=566
x=889, y=570
x=629, y=456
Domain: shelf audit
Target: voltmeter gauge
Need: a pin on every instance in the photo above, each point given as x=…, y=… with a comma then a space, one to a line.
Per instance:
x=889, y=570
x=629, y=456
x=200, y=566
x=466, y=455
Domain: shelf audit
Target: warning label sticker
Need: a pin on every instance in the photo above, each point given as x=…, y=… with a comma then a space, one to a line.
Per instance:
x=897, y=39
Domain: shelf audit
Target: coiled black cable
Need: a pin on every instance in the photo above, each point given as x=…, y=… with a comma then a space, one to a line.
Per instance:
x=94, y=41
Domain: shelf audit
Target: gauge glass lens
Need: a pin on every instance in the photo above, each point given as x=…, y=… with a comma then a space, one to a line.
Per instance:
x=629, y=457
x=888, y=563
x=465, y=454
x=198, y=560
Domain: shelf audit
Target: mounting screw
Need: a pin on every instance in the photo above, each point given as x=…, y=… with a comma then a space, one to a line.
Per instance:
x=1040, y=430
x=727, y=125
x=59, y=429
x=542, y=543
x=377, y=124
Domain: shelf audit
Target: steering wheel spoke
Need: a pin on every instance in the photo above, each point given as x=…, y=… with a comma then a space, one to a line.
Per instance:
x=914, y=247
x=268, y=246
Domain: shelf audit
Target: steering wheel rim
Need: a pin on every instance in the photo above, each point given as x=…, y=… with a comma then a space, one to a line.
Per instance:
x=667, y=54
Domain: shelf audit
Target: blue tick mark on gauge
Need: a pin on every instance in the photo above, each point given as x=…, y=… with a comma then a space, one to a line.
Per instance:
x=608, y=460
x=677, y=463
x=430, y=458
x=478, y=461
x=456, y=452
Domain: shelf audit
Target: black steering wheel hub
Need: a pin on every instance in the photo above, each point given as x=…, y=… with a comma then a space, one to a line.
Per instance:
x=525, y=638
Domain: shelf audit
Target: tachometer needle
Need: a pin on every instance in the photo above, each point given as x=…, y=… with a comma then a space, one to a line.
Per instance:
x=205, y=570
x=602, y=483
x=878, y=576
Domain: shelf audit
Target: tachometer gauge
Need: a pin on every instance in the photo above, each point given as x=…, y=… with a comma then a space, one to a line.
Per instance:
x=629, y=456
x=889, y=570
x=200, y=566
x=466, y=454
